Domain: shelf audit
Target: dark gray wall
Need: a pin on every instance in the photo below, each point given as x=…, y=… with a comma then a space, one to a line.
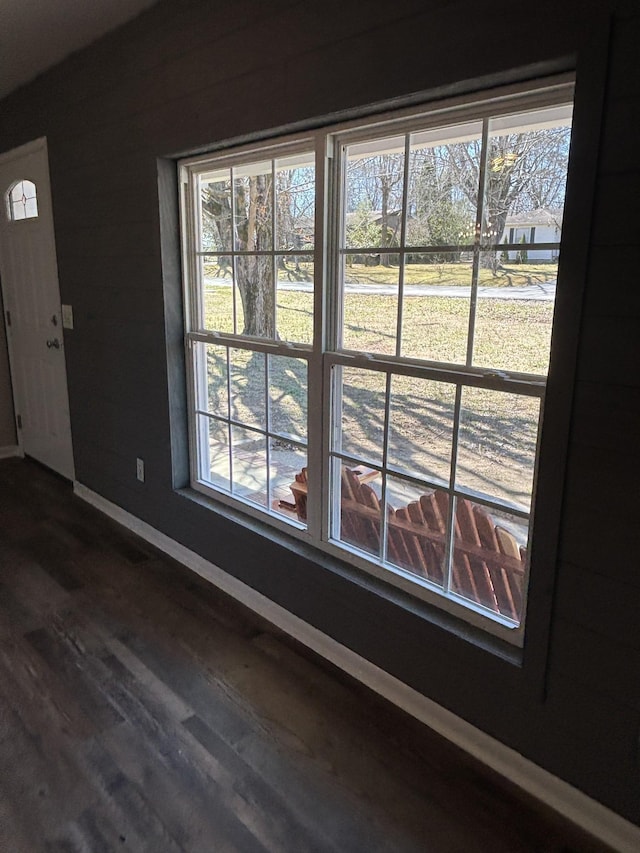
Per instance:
x=188, y=74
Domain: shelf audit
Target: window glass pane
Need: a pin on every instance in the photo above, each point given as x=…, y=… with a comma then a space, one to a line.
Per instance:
x=435, y=308
x=526, y=174
x=249, y=458
x=370, y=298
x=18, y=211
x=30, y=208
x=359, y=414
x=417, y=529
x=360, y=511
x=24, y=191
x=288, y=397
x=374, y=190
x=217, y=292
x=288, y=496
x=256, y=307
x=17, y=201
x=295, y=298
x=489, y=558
x=247, y=370
x=444, y=174
x=215, y=212
x=253, y=199
x=217, y=389
x=497, y=444
x=421, y=427
x=295, y=205
x=215, y=448
x=514, y=314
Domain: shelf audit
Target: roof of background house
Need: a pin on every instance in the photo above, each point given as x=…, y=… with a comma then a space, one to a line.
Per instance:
x=541, y=216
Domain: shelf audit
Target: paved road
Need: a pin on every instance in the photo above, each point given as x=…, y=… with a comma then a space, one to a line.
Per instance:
x=543, y=292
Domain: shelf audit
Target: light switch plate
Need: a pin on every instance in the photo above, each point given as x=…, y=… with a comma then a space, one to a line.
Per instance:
x=67, y=317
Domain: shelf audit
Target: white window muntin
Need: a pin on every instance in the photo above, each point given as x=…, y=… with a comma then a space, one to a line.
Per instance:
x=490, y=381
x=191, y=172
x=509, y=111
x=494, y=115
x=320, y=360
x=203, y=418
x=465, y=374
x=242, y=159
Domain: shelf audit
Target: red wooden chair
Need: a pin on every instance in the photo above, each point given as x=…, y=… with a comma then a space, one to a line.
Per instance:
x=488, y=566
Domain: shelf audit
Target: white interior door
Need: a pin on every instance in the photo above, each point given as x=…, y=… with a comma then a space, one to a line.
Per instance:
x=29, y=271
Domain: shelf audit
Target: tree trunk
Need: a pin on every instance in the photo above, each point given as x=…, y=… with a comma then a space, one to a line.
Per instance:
x=254, y=277
x=492, y=232
x=254, y=273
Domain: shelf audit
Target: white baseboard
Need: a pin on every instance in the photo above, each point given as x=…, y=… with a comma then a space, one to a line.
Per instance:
x=563, y=798
x=10, y=450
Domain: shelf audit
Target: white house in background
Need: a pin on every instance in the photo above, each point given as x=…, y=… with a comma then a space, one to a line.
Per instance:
x=535, y=226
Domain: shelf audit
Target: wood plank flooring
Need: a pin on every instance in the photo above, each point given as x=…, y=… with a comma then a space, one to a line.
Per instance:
x=141, y=710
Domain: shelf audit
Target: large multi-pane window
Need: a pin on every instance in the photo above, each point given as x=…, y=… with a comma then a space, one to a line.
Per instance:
x=369, y=315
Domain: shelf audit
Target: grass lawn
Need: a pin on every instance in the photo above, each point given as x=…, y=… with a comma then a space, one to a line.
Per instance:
x=510, y=334
x=508, y=274
x=498, y=435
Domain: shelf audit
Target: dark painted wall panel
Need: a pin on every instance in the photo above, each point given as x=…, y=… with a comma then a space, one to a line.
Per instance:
x=618, y=150
x=186, y=75
x=604, y=413
x=612, y=225
x=607, y=667
x=578, y=711
x=600, y=521
x=624, y=81
x=610, y=349
x=611, y=290
x=601, y=532
x=583, y=592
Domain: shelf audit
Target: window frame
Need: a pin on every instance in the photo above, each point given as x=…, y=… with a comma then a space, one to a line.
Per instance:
x=189, y=171
x=323, y=355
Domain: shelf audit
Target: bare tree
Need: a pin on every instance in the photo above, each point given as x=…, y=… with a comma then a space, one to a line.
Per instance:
x=440, y=215
x=524, y=171
x=250, y=231
x=378, y=182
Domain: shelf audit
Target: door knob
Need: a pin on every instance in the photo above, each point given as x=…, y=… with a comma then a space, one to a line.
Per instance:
x=55, y=343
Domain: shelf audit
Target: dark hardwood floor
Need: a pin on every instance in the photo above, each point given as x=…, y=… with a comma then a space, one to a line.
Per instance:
x=141, y=710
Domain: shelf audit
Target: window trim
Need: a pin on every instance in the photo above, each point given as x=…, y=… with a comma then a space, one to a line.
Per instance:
x=326, y=141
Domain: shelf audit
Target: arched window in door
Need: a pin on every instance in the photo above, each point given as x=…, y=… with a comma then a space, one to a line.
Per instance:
x=22, y=201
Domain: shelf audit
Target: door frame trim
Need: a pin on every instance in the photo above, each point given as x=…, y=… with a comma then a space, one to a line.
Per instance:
x=24, y=150
x=33, y=147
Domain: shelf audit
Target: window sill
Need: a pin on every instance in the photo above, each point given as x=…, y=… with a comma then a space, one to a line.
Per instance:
x=436, y=617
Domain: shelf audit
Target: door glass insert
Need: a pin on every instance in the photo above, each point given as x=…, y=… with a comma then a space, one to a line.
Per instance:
x=23, y=201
